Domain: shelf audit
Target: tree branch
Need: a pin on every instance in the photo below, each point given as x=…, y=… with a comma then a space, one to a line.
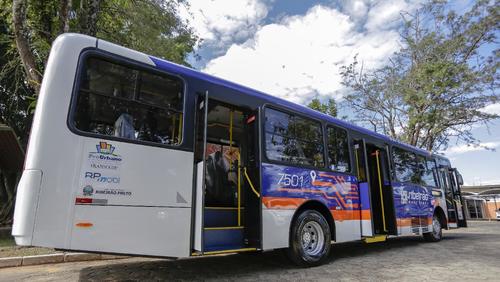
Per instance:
x=22, y=43
x=64, y=16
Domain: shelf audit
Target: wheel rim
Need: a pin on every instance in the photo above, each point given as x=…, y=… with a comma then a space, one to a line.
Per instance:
x=436, y=227
x=312, y=238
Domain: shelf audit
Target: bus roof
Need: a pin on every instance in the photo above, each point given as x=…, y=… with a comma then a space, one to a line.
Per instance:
x=173, y=67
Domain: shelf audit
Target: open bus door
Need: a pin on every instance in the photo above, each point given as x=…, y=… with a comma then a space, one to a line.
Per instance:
x=200, y=162
x=375, y=191
x=364, y=189
x=227, y=210
x=451, y=180
x=456, y=182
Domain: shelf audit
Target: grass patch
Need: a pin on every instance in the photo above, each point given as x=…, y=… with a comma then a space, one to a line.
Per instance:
x=24, y=251
x=8, y=248
x=7, y=242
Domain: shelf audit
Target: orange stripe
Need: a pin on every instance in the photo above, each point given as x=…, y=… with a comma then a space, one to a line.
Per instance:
x=342, y=215
x=405, y=222
x=84, y=224
x=282, y=203
x=293, y=203
x=366, y=214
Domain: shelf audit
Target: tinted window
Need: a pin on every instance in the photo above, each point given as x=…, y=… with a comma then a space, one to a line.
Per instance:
x=121, y=101
x=293, y=139
x=405, y=166
x=338, y=149
x=429, y=173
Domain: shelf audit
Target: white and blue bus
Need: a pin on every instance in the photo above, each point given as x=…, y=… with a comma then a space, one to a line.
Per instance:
x=131, y=154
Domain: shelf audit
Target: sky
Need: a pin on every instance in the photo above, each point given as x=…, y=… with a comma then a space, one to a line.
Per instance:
x=294, y=50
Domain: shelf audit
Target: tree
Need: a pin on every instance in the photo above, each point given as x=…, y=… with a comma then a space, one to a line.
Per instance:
x=28, y=28
x=151, y=26
x=436, y=86
x=329, y=108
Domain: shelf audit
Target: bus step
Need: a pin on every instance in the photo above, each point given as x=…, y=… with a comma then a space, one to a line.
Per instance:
x=375, y=239
x=224, y=250
x=221, y=216
x=223, y=238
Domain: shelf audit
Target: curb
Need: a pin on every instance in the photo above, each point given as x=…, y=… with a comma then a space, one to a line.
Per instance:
x=54, y=258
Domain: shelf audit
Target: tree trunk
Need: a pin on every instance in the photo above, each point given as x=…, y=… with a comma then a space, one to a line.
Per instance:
x=92, y=16
x=64, y=16
x=23, y=46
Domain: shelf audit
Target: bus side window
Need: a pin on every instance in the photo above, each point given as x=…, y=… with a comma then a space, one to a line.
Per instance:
x=426, y=172
x=293, y=139
x=338, y=149
x=406, y=166
x=130, y=103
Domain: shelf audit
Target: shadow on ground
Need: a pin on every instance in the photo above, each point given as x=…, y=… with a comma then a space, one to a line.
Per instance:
x=257, y=265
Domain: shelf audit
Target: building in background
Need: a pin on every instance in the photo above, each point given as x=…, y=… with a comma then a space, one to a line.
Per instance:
x=481, y=202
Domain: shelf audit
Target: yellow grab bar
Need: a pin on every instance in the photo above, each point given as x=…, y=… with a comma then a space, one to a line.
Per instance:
x=380, y=186
x=179, y=137
x=250, y=182
x=231, y=138
x=239, y=190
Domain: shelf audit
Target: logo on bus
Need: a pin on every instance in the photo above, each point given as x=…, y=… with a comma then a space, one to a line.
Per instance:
x=105, y=152
x=97, y=176
x=105, y=148
x=412, y=197
x=88, y=190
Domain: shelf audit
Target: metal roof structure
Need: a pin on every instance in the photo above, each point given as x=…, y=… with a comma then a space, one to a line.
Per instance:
x=11, y=151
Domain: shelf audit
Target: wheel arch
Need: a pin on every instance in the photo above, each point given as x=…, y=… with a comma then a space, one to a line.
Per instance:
x=319, y=207
x=442, y=217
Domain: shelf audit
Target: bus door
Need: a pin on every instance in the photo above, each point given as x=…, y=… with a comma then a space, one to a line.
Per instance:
x=457, y=180
x=381, y=193
x=454, y=205
x=227, y=195
x=200, y=164
x=364, y=189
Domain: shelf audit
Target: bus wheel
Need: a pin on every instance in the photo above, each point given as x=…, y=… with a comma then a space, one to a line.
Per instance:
x=309, y=239
x=437, y=231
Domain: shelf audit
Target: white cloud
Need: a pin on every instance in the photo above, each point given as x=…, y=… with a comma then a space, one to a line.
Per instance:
x=221, y=22
x=357, y=9
x=493, y=109
x=386, y=14
x=462, y=149
x=299, y=57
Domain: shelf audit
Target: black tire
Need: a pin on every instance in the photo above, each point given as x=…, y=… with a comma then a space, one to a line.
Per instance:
x=308, y=247
x=437, y=230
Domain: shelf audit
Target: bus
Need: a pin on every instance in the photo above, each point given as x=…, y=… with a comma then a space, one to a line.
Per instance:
x=132, y=154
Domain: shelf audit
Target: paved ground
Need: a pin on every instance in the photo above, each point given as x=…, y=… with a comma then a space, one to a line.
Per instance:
x=464, y=254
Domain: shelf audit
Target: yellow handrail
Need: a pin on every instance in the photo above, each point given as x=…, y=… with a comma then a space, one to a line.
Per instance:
x=173, y=128
x=179, y=137
x=231, y=138
x=250, y=182
x=380, y=186
x=239, y=190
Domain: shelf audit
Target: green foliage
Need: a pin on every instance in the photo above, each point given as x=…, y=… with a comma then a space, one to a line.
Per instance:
x=150, y=26
x=14, y=92
x=329, y=108
x=434, y=88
